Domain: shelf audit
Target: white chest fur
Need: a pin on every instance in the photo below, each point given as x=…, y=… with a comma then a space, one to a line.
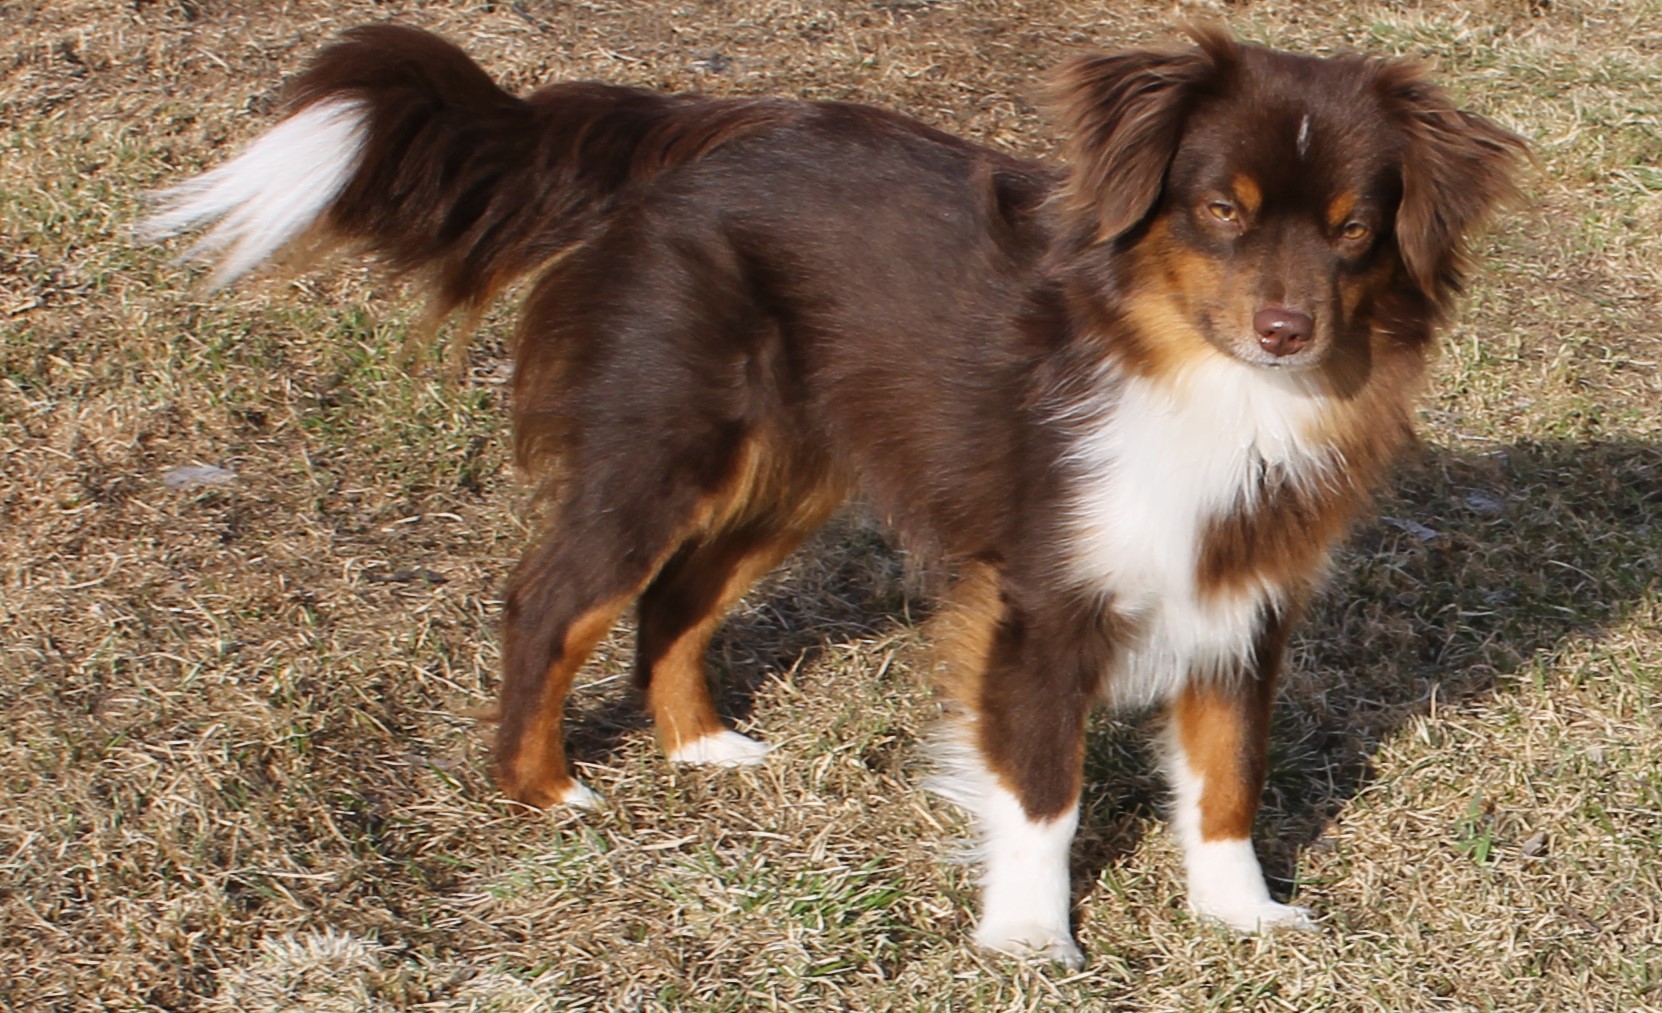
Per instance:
x=1156, y=464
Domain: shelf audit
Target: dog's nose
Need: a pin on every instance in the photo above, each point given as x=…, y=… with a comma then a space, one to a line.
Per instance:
x=1282, y=331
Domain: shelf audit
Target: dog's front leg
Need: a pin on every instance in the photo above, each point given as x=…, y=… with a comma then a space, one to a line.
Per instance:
x=1018, y=767
x=1025, y=889
x=1217, y=755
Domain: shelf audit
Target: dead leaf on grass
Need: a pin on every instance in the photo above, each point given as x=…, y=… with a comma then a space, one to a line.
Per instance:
x=190, y=476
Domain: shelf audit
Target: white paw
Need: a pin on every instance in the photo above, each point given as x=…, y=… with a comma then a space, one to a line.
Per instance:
x=1031, y=942
x=725, y=748
x=578, y=796
x=1261, y=916
x=1227, y=886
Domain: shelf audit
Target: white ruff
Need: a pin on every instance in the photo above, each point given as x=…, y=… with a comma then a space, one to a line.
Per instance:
x=1025, y=893
x=1226, y=884
x=1154, y=465
x=270, y=193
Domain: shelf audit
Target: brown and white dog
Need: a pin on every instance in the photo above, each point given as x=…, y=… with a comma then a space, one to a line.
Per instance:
x=1131, y=402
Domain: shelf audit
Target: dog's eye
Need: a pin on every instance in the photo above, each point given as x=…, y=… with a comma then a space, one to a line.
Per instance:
x=1222, y=210
x=1354, y=231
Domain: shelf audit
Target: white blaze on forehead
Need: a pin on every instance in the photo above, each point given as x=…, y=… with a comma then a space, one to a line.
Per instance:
x=1304, y=136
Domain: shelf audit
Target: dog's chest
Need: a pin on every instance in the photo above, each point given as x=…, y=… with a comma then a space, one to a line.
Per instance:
x=1156, y=470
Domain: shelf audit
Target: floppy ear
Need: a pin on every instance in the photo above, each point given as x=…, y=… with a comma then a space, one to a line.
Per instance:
x=1457, y=167
x=1123, y=116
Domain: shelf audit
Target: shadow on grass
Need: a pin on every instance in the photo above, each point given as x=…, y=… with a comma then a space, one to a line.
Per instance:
x=1479, y=568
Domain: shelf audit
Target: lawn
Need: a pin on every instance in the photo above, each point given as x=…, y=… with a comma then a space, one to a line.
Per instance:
x=243, y=750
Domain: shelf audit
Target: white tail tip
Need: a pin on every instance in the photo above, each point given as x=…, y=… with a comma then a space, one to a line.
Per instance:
x=271, y=192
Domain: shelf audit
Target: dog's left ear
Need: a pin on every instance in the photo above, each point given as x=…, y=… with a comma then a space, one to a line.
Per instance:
x=1457, y=167
x=1123, y=116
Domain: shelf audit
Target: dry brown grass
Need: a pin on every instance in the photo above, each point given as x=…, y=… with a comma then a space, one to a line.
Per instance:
x=240, y=767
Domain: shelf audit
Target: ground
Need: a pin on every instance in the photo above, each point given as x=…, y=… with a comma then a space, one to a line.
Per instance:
x=244, y=761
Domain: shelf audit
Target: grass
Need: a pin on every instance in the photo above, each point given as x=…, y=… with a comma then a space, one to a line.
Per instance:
x=242, y=766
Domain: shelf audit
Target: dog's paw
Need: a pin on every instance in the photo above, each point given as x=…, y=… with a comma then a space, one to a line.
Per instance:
x=1260, y=916
x=564, y=791
x=578, y=795
x=725, y=748
x=1031, y=942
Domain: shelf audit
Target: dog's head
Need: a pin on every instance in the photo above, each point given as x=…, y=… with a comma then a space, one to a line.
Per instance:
x=1265, y=203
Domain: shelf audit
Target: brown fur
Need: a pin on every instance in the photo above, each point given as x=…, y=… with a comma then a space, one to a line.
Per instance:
x=744, y=309
x=746, y=306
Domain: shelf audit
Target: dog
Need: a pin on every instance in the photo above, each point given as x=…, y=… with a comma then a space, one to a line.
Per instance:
x=1129, y=402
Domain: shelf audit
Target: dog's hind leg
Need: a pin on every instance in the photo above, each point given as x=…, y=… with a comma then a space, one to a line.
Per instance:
x=551, y=625
x=562, y=599
x=679, y=613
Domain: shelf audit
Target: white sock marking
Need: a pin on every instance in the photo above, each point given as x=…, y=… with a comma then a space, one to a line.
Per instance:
x=1226, y=883
x=1025, y=893
x=725, y=748
x=269, y=194
x=579, y=796
x=1024, y=882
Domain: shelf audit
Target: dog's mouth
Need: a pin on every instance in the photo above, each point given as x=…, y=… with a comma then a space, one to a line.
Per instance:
x=1247, y=349
x=1269, y=337
x=1264, y=347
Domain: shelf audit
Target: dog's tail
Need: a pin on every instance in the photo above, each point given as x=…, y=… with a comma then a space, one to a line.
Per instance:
x=396, y=141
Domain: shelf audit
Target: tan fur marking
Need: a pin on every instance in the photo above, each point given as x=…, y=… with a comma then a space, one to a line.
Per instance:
x=762, y=483
x=1214, y=733
x=1174, y=283
x=1170, y=342
x=963, y=634
x=1281, y=541
x=1339, y=209
x=678, y=694
x=746, y=484
x=1247, y=192
x=538, y=774
x=1355, y=288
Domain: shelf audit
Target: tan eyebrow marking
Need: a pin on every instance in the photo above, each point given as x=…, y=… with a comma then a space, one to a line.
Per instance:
x=1338, y=211
x=1247, y=192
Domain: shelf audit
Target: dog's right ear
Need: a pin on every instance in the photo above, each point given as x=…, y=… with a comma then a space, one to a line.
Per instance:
x=1123, y=114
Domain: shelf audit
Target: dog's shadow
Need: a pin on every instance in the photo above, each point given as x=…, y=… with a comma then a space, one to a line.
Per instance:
x=1479, y=567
